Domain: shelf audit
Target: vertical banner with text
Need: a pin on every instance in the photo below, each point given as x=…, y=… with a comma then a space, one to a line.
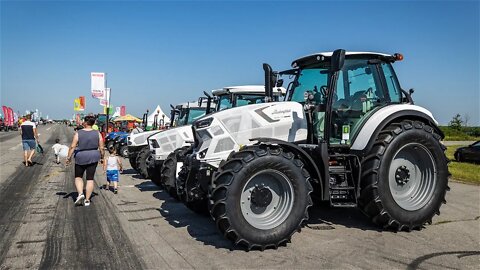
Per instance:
x=123, y=110
x=98, y=82
x=106, y=100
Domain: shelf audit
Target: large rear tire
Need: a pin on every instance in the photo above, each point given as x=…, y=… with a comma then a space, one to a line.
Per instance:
x=168, y=173
x=260, y=197
x=404, y=177
x=142, y=162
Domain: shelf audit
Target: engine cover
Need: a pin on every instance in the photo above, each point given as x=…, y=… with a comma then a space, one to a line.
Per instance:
x=170, y=140
x=232, y=128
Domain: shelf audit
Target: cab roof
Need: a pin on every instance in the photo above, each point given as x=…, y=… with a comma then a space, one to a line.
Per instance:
x=251, y=89
x=191, y=104
x=321, y=56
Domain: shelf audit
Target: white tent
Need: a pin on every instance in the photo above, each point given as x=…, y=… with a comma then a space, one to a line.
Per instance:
x=161, y=115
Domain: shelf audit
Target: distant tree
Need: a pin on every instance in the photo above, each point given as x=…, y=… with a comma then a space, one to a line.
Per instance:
x=466, y=118
x=456, y=122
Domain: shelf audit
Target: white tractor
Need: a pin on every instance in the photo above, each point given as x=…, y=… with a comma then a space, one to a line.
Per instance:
x=347, y=133
x=182, y=116
x=172, y=145
x=137, y=146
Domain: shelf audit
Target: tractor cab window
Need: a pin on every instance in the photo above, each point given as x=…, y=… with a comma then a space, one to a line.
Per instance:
x=312, y=80
x=359, y=92
x=392, y=83
x=248, y=99
x=224, y=102
x=194, y=114
x=180, y=117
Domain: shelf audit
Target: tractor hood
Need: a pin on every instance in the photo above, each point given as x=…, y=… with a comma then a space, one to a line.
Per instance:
x=163, y=143
x=140, y=139
x=220, y=133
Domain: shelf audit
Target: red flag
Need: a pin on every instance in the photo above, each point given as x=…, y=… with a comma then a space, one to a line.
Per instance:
x=82, y=102
x=123, y=110
x=6, y=115
x=10, y=116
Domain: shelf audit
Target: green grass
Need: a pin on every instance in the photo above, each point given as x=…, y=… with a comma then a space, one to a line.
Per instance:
x=465, y=134
x=462, y=171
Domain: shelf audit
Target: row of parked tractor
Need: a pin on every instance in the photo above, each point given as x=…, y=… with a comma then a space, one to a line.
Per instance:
x=256, y=158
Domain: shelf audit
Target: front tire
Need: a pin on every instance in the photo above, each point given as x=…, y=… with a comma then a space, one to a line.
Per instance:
x=169, y=170
x=110, y=144
x=124, y=151
x=132, y=158
x=142, y=162
x=260, y=197
x=404, y=177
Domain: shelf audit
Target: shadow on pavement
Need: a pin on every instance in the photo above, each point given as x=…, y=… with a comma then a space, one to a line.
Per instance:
x=200, y=227
x=203, y=229
x=138, y=176
x=322, y=216
x=415, y=264
x=147, y=185
x=73, y=195
x=129, y=171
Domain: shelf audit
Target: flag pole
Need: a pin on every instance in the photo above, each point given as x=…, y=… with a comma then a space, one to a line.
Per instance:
x=108, y=103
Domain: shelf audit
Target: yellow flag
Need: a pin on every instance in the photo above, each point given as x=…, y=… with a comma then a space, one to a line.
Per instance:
x=76, y=104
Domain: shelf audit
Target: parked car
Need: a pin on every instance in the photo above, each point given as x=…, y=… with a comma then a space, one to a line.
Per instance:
x=469, y=153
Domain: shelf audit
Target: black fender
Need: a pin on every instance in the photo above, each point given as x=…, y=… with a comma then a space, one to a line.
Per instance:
x=310, y=164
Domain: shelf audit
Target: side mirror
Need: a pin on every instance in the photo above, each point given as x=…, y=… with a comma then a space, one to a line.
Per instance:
x=337, y=60
x=206, y=94
x=279, y=83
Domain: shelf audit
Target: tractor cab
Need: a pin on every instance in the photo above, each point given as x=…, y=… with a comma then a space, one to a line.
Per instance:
x=362, y=84
x=185, y=113
x=236, y=96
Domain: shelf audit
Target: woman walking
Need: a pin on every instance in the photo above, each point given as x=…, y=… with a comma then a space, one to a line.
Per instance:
x=89, y=150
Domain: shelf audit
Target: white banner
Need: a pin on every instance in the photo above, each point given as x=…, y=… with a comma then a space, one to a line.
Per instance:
x=98, y=84
x=106, y=100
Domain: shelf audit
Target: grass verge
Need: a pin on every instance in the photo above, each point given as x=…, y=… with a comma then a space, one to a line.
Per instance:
x=462, y=171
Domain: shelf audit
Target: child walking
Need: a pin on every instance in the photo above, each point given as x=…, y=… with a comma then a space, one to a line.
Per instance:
x=111, y=166
x=61, y=151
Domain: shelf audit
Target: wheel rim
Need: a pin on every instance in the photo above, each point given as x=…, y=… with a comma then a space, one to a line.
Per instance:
x=267, y=199
x=412, y=176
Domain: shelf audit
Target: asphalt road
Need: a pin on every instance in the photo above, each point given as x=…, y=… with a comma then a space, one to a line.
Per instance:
x=142, y=227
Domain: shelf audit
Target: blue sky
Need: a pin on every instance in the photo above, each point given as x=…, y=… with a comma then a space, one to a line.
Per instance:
x=169, y=52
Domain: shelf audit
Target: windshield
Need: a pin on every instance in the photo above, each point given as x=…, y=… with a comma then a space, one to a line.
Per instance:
x=224, y=102
x=248, y=99
x=309, y=79
x=194, y=114
x=188, y=115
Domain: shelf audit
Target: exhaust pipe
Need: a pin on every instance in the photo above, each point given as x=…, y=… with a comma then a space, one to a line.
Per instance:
x=268, y=82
